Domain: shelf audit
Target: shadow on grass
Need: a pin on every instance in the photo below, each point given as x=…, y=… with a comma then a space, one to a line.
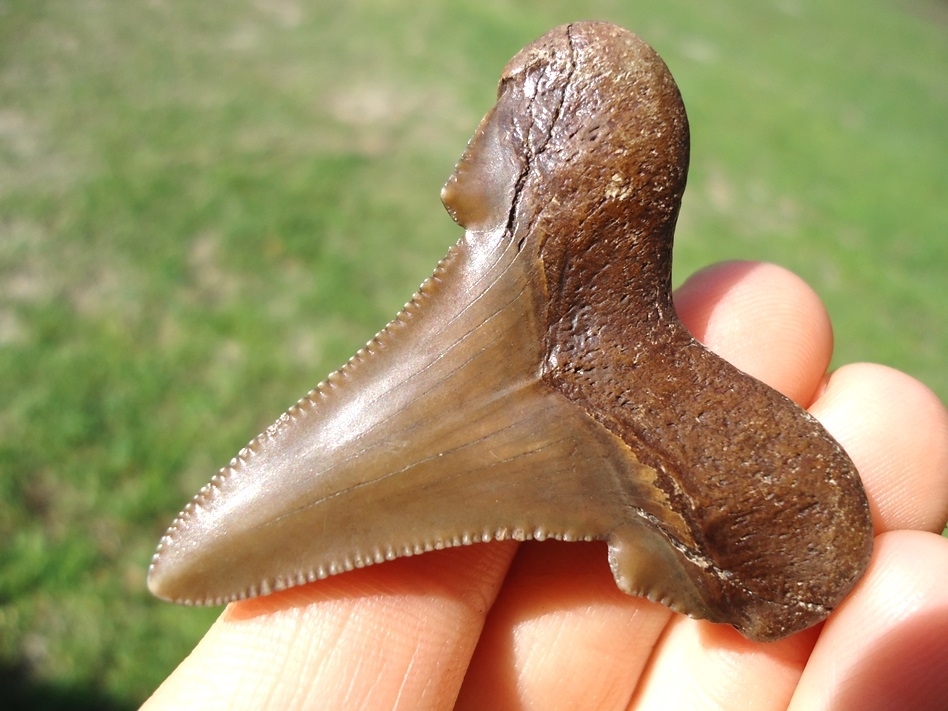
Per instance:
x=22, y=692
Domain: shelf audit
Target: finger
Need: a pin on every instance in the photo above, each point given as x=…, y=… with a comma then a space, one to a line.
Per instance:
x=886, y=647
x=763, y=319
x=586, y=635
x=397, y=635
x=701, y=665
x=561, y=634
x=896, y=431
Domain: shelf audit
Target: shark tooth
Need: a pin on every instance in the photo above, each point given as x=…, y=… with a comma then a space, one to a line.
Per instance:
x=540, y=385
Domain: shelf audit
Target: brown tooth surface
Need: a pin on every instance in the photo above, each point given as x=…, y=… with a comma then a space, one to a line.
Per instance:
x=540, y=384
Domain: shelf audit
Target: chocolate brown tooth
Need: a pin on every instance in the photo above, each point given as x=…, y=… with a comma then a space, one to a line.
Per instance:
x=540, y=384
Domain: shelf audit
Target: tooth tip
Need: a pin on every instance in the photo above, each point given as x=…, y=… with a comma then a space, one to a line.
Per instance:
x=158, y=583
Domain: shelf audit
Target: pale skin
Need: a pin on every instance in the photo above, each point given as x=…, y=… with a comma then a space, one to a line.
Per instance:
x=543, y=626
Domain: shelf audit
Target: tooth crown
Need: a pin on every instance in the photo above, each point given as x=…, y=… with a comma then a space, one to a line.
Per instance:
x=540, y=384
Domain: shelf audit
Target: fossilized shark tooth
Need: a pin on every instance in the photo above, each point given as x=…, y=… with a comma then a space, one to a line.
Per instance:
x=540, y=384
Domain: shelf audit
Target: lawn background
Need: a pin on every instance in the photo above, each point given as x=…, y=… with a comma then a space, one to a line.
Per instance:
x=205, y=207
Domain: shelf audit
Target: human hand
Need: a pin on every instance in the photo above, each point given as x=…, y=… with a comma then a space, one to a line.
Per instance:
x=542, y=625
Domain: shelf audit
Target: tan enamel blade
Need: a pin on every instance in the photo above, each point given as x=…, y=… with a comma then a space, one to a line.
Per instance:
x=439, y=433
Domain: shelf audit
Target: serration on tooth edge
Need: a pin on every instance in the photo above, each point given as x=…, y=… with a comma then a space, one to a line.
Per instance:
x=380, y=555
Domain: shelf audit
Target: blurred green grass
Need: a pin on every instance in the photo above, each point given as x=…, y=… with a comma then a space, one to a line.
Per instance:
x=205, y=207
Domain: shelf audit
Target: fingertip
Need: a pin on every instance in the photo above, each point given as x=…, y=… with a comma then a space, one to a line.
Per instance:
x=885, y=646
x=762, y=318
x=396, y=634
x=895, y=429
